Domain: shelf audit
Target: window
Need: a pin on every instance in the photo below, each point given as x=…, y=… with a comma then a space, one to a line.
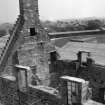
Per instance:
x=32, y=32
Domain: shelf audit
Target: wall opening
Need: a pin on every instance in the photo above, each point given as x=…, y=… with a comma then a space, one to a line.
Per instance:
x=32, y=32
x=53, y=56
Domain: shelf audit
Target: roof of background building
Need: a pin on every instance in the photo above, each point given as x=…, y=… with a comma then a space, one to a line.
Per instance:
x=69, y=51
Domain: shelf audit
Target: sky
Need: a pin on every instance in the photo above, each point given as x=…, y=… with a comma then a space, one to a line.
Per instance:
x=55, y=9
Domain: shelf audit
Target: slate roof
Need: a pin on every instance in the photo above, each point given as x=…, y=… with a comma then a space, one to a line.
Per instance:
x=69, y=51
x=60, y=42
x=3, y=41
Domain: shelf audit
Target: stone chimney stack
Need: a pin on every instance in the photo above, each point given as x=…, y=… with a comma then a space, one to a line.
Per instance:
x=30, y=41
x=29, y=12
x=34, y=51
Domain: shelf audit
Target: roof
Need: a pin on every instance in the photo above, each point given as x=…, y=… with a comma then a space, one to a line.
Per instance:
x=73, y=79
x=3, y=41
x=69, y=51
x=60, y=42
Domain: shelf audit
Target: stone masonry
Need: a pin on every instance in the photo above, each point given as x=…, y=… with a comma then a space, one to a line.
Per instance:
x=28, y=45
x=32, y=43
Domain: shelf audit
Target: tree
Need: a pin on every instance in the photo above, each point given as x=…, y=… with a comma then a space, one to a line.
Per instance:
x=94, y=24
x=2, y=32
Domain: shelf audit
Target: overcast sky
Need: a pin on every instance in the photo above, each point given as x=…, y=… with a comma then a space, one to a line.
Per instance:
x=55, y=9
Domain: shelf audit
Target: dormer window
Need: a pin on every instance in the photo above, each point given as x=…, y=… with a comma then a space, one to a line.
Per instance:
x=32, y=32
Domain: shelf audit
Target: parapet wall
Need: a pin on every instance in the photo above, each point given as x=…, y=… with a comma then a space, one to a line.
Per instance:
x=8, y=92
x=11, y=95
x=94, y=74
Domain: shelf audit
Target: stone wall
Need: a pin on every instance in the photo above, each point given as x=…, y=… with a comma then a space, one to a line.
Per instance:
x=94, y=74
x=8, y=92
x=11, y=95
